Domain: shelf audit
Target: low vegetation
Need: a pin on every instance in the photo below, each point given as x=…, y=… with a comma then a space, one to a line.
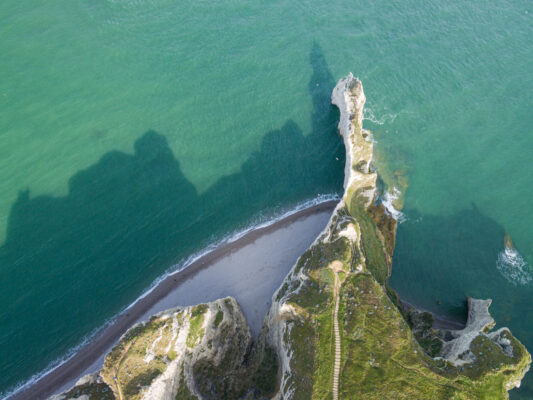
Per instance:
x=381, y=357
x=196, y=330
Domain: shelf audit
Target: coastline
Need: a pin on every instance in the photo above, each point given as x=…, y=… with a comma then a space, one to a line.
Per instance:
x=72, y=369
x=361, y=239
x=302, y=326
x=88, y=357
x=439, y=321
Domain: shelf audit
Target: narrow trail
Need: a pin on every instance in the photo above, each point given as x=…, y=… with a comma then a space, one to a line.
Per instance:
x=336, y=266
x=119, y=389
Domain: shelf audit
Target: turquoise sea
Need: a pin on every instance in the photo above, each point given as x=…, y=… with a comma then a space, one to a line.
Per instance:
x=134, y=133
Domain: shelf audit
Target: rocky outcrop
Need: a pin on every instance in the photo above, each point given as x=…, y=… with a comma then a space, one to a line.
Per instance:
x=379, y=356
x=185, y=352
x=475, y=347
x=473, y=350
x=334, y=328
x=286, y=316
x=89, y=387
x=349, y=97
x=457, y=350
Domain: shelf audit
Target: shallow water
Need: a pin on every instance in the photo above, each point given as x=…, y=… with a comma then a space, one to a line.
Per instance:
x=134, y=133
x=250, y=273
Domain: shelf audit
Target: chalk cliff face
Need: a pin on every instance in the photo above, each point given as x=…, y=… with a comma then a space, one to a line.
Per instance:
x=335, y=323
x=334, y=329
x=183, y=353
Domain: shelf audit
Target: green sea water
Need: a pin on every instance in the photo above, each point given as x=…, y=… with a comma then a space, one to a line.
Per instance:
x=134, y=133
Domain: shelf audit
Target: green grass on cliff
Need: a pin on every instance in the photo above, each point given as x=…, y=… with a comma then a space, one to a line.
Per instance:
x=267, y=374
x=95, y=391
x=312, y=337
x=372, y=245
x=183, y=391
x=218, y=318
x=125, y=369
x=196, y=332
x=380, y=358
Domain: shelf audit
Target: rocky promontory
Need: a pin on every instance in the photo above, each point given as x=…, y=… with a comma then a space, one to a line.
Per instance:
x=202, y=351
x=334, y=330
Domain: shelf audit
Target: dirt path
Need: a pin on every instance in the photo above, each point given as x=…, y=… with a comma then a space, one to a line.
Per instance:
x=128, y=347
x=336, y=266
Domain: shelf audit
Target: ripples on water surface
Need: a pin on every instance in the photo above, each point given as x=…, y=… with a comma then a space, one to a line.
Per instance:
x=134, y=133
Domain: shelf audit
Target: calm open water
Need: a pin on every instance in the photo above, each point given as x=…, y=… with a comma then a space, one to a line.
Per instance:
x=134, y=133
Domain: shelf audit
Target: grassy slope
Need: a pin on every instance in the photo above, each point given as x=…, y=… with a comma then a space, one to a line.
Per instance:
x=380, y=357
x=125, y=365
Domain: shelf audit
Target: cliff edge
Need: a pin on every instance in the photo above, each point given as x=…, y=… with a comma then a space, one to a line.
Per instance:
x=335, y=329
x=336, y=324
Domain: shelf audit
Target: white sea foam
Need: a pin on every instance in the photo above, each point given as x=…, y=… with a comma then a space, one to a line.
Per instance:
x=513, y=267
x=388, y=202
x=259, y=222
x=369, y=115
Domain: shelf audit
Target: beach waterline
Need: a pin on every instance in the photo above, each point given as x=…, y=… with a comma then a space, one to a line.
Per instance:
x=249, y=267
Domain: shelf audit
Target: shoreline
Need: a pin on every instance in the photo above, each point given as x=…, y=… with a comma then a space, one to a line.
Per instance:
x=439, y=322
x=67, y=372
x=72, y=369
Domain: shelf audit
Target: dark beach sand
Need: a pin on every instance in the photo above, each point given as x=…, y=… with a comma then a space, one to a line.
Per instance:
x=250, y=269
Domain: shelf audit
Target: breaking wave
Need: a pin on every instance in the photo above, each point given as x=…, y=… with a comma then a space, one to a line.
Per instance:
x=261, y=221
x=513, y=267
x=369, y=115
x=388, y=202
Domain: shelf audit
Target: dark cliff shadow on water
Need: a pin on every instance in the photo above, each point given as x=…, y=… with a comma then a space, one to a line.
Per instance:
x=440, y=260
x=69, y=263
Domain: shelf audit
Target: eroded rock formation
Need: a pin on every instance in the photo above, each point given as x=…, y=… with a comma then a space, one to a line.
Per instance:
x=334, y=328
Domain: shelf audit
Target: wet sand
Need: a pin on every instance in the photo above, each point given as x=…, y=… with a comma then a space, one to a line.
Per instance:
x=250, y=269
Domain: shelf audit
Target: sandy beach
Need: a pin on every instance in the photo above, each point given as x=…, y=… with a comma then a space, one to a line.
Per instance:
x=250, y=269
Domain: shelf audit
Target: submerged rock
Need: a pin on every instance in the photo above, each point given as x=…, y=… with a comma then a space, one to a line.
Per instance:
x=512, y=265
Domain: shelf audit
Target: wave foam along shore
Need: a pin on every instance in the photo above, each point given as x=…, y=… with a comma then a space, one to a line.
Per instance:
x=233, y=237
x=513, y=267
x=65, y=371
